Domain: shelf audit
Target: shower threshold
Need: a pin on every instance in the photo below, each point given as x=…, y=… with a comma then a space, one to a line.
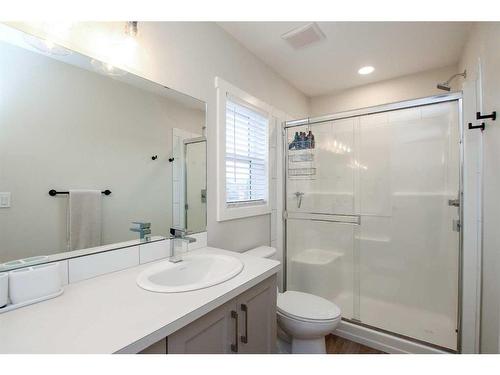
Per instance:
x=389, y=342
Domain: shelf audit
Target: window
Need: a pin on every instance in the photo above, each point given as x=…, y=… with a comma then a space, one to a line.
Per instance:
x=243, y=128
x=246, y=155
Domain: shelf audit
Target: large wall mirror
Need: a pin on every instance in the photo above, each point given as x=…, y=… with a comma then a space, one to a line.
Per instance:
x=86, y=150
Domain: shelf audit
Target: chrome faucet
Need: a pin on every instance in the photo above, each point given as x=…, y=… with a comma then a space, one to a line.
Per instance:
x=178, y=239
x=143, y=228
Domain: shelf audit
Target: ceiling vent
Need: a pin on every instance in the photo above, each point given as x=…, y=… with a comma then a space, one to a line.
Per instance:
x=304, y=36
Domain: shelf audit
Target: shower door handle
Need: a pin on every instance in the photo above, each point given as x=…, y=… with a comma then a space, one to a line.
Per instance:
x=331, y=218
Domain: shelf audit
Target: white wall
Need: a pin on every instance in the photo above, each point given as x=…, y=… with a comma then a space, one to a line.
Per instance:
x=483, y=44
x=393, y=90
x=64, y=127
x=187, y=57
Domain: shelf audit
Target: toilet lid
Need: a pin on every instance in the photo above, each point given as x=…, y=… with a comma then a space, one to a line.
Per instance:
x=307, y=306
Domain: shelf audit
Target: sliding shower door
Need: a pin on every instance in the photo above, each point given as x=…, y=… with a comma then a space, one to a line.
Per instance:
x=321, y=211
x=373, y=218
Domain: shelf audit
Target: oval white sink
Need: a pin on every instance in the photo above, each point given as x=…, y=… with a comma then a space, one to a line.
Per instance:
x=192, y=273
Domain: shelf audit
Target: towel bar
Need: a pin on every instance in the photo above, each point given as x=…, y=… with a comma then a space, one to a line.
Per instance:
x=53, y=193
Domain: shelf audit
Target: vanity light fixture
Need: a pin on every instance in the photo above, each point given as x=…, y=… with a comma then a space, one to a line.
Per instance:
x=119, y=52
x=366, y=70
x=131, y=29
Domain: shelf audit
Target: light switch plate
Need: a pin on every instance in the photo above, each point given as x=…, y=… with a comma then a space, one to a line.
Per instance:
x=4, y=199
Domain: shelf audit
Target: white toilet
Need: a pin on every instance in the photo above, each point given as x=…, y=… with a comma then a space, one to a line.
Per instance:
x=306, y=318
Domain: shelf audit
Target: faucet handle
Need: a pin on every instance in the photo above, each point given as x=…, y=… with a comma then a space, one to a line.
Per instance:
x=142, y=224
x=177, y=232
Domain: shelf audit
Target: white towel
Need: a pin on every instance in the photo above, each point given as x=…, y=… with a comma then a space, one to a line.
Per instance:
x=84, y=219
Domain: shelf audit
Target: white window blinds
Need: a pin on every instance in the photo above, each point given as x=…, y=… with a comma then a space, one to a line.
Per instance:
x=246, y=154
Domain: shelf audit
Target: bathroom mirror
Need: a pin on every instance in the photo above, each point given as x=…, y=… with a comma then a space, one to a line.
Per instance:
x=87, y=149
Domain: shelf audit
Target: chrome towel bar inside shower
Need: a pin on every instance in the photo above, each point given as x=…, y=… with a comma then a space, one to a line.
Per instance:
x=323, y=217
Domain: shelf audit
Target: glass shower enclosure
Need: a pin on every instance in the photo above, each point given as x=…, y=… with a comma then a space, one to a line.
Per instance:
x=372, y=200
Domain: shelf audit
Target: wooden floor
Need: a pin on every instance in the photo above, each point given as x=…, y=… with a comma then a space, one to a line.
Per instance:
x=339, y=345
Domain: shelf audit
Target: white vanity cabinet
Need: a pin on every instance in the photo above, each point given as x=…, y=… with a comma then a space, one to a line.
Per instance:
x=235, y=316
x=245, y=324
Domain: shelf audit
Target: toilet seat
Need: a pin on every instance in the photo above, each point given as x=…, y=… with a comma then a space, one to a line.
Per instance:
x=305, y=320
x=307, y=307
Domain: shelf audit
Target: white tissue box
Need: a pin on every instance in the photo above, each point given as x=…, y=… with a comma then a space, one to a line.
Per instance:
x=4, y=289
x=31, y=283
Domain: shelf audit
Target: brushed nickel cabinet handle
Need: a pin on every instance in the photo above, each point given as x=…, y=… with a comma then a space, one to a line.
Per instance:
x=234, y=347
x=244, y=338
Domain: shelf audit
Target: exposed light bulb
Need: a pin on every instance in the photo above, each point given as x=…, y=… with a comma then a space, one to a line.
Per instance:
x=120, y=51
x=131, y=28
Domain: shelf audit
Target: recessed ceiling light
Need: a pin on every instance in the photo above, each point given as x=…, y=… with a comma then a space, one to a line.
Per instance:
x=366, y=70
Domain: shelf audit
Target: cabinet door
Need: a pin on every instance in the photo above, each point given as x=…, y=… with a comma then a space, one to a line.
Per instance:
x=213, y=333
x=257, y=318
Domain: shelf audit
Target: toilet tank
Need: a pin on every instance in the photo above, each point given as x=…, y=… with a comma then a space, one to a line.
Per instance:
x=263, y=252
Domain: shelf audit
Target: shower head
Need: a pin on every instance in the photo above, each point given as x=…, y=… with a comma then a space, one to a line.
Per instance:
x=446, y=85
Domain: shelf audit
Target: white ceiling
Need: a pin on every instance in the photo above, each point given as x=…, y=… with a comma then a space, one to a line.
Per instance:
x=393, y=48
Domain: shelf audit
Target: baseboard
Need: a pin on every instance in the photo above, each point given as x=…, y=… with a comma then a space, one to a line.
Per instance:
x=383, y=341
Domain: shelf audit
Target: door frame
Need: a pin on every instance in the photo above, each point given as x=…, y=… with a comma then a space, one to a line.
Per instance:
x=185, y=143
x=472, y=302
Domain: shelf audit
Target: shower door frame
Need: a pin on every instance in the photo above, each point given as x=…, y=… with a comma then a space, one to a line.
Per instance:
x=412, y=103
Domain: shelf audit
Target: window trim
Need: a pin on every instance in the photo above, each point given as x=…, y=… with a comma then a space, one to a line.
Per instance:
x=233, y=211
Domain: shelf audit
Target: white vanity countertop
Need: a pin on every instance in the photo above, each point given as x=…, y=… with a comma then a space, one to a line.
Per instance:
x=111, y=313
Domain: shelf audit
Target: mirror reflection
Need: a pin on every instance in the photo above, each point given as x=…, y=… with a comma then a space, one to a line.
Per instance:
x=196, y=187
x=90, y=159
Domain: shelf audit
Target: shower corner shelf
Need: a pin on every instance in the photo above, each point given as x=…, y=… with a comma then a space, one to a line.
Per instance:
x=301, y=172
x=298, y=156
